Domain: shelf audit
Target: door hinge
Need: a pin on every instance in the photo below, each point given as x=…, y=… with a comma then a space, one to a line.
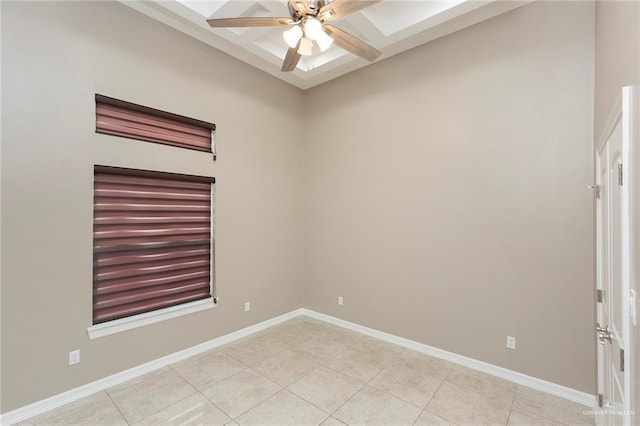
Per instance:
x=604, y=334
x=600, y=400
x=596, y=189
x=620, y=175
x=599, y=296
x=622, y=360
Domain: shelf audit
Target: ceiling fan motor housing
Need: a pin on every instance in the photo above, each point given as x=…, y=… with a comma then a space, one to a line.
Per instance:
x=314, y=8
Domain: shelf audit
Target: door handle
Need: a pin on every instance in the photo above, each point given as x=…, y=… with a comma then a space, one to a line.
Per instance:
x=603, y=333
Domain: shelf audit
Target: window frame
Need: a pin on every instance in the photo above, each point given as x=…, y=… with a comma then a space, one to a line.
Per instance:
x=153, y=112
x=146, y=318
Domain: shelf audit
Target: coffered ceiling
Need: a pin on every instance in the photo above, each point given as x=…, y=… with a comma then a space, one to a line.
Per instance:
x=391, y=26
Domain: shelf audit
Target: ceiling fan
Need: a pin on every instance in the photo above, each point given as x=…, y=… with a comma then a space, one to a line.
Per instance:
x=308, y=24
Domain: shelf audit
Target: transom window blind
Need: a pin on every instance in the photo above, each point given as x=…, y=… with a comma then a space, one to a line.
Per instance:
x=153, y=245
x=125, y=119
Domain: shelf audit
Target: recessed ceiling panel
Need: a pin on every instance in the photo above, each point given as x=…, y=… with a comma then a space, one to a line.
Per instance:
x=391, y=26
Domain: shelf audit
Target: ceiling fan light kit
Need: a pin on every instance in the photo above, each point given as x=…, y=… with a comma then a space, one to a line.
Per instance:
x=324, y=41
x=312, y=28
x=313, y=31
x=306, y=47
x=292, y=36
x=307, y=23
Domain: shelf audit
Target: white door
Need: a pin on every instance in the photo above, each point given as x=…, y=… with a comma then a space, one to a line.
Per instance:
x=613, y=273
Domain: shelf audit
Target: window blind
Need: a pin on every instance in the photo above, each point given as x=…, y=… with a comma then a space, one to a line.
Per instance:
x=125, y=119
x=152, y=235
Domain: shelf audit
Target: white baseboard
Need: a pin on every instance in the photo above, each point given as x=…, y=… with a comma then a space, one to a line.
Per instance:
x=513, y=376
x=61, y=399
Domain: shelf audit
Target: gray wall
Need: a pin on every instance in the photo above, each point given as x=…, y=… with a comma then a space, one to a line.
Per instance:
x=55, y=56
x=618, y=65
x=447, y=200
x=617, y=54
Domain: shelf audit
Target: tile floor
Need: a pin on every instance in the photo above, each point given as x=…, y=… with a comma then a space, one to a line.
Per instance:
x=307, y=372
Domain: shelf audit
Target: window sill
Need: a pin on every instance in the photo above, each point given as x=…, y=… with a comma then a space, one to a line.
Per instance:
x=129, y=323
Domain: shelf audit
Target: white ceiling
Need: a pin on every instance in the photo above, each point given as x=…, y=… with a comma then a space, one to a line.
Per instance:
x=391, y=26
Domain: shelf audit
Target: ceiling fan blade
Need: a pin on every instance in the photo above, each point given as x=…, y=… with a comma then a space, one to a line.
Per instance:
x=352, y=43
x=339, y=8
x=248, y=22
x=301, y=6
x=291, y=59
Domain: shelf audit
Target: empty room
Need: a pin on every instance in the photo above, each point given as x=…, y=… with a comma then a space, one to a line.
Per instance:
x=320, y=212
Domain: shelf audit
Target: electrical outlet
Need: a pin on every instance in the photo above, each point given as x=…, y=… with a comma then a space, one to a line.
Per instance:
x=74, y=357
x=511, y=342
x=340, y=301
x=247, y=306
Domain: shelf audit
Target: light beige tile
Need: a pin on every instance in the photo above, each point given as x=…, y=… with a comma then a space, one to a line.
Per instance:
x=140, y=379
x=407, y=384
x=518, y=418
x=378, y=349
x=252, y=350
x=370, y=406
x=485, y=384
x=240, y=392
x=193, y=410
x=98, y=410
x=295, y=332
x=462, y=406
x=288, y=338
x=428, y=419
x=332, y=421
x=342, y=335
x=286, y=327
x=325, y=388
x=145, y=398
x=290, y=321
x=320, y=348
x=96, y=398
x=204, y=372
x=308, y=319
x=284, y=408
x=357, y=364
x=312, y=324
x=285, y=367
x=551, y=407
x=194, y=358
x=426, y=364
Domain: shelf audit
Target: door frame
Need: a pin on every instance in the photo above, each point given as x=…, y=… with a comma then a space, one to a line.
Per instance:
x=626, y=111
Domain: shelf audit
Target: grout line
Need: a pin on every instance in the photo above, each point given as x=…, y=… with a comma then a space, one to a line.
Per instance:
x=431, y=398
x=117, y=408
x=348, y=399
x=321, y=364
x=263, y=334
x=166, y=406
x=309, y=402
x=254, y=406
x=511, y=407
x=419, y=415
x=216, y=405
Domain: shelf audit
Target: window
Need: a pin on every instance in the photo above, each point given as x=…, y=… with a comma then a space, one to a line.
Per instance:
x=152, y=244
x=125, y=119
x=153, y=239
